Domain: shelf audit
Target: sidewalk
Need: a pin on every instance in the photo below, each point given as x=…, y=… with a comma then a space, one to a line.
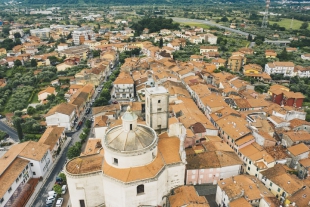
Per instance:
x=41, y=184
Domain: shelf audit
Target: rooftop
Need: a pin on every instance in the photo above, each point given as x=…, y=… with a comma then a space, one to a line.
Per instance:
x=185, y=196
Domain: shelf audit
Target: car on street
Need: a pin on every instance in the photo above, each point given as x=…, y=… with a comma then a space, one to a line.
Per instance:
x=52, y=194
x=115, y=102
x=50, y=199
x=59, y=202
x=63, y=189
x=87, y=110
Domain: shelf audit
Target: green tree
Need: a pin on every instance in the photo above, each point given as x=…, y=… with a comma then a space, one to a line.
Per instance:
x=304, y=25
x=17, y=35
x=224, y=19
x=17, y=62
x=31, y=110
x=18, y=127
x=74, y=151
x=250, y=38
x=63, y=177
x=33, y=63
x=283, y=56
x=161, y=42
x=57, y=189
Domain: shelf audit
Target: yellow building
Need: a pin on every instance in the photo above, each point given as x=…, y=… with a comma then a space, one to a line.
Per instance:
x=270, y=54
x=235, y=62
x=2, y=51
x=252, y=69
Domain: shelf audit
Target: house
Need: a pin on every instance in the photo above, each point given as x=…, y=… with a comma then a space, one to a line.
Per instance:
x=280, y=183
x=305, y=56
x=298, y=152
x=2, y=51
x=54, y=137
x=205, y=49
x=300, y=198
x=211, y=166
x=186, y=196
x=123, y=87
x=285, y=68
x=295, y=137
x=291, y=49
x=211, y=38
x=252, y=69
x=236, y=61
x=301, y=71
x=42, y=95
x=93, y=76
x=196, y=40
x=270, y=54
x=246, y=51
x=242, y=190
x=62, y=115
x=196, y=58
x=79, y=100
x=282, y=96
x=299, y=125
x=20, y=166
x=218, y=62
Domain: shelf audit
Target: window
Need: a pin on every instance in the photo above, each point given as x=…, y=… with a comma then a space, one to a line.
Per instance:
x=31, y=164
x=249, y=168
x=130, y=126
x=250, y=162
x=279, y=190
x=1, y=200
x=158, y=101
x=159, y=126
x=82, y=203
x=115, y=161
x=10, y=189
x=140, y=189
x=17, y=180
x=158, y=109
x=34, y=173
x=270, y=184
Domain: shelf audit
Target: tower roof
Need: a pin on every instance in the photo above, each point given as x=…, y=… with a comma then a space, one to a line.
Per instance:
x=129, y=115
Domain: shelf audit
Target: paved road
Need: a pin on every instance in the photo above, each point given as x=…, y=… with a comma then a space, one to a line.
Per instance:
x=184, y=20
x=10, y=131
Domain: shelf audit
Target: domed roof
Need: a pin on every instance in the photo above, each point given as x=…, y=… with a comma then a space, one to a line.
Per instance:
x=129, y=115
x=122, y=140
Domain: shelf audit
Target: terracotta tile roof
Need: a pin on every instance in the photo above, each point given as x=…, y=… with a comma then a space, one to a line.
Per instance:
x=277, y=152
x=298, y=149
x=245, y=139
x=11, y=174
x=79, y=98
x=250, y=150
x=187, y=196
x=93, y=146
x=51, y=136
x=297, y=136
x=101, y=121
x=301, y=198
x=234, y=126
x=124, y=78
x=240, y=202
x=86, y=164
x=278, y=175
x=108, y=108
x=34, y=150
x=305, y=162
x=50, y=90
x=63, y=108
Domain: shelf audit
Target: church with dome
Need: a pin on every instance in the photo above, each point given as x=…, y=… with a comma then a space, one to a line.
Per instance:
x=132, y=165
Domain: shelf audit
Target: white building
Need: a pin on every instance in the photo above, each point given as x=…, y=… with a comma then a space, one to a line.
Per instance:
x=156, y=107
x=42, y=33
x=62, y=115
x=285, y=68
x=19, y=164
x=81, y=34
x=123, y=87
x=134, y=168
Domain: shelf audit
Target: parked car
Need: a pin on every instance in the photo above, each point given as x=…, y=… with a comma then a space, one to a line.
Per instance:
x=59, y=181
x=59, y=202
x=115, y=102
x=63, y=189
x=50, y=199
x=78, y=127
x=87, y=110
x=52, y=194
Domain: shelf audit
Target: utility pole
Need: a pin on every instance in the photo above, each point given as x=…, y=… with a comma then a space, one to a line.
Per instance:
x=265, y=19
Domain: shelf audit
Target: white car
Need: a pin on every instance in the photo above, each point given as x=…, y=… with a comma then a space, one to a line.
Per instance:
x=50, y=199
x=59, y=202
x=63, y=189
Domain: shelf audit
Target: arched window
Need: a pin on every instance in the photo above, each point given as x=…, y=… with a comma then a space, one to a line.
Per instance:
x=140, y=189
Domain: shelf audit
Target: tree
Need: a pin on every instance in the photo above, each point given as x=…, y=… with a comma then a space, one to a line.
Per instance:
x=224, y=19
x=33, y=63
x=31, y=110
x=18, y=127
x=161, y=42
x=17, y=62
x=304, y=25
x=283, y=56
x=57, y=189
x=17, y=35
x=74, y=151
x=250, y=37
x=69, y=36
x=63, y=177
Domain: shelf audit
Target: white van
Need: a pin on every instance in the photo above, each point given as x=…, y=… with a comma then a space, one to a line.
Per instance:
x=52, y=194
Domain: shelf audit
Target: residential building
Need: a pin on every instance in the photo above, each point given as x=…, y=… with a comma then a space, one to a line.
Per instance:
x=41, y=33
x=305, y=56
x=18, y=166
x=205, y=49
x=236, y=61
x=82, y=34
x=2, y=51
x=285, y=68
x=187, y=196
x=62, y=115
x=295, y=137
x=80, y=51
x=123, y=87
x=42, y=95
x=298, y=152
x=139, y=171
x=280, y=183
x=54, y=137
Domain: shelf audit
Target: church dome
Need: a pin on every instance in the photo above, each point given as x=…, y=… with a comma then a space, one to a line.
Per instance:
x=130, y=136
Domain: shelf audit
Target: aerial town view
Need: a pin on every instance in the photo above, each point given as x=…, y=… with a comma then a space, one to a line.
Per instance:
x=154, y=103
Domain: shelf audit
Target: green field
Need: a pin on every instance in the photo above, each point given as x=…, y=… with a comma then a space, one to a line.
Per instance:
x=287, y=23
x=194, y=24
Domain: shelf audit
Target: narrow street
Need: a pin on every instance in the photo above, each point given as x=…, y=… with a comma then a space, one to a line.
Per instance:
x=10, y=131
